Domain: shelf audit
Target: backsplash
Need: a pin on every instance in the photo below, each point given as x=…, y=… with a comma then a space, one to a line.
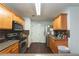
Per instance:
x=61, y=34
x=2, y=34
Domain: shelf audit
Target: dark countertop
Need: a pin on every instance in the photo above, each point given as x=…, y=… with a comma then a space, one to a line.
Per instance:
x=54, y=38
x=7, y=44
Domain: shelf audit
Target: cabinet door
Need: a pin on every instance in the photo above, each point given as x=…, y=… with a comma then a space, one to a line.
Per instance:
x=13, y=49
x=6, y=51
x=60, y=23
x=58, y=26
x=53, y=46
x=64, y=21
x=1, y=22
x=57, y=23
x=18, y=20
x=7, y=22
x=5, y=18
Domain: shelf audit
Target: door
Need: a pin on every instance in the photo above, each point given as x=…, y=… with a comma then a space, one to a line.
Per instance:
x=37, y=33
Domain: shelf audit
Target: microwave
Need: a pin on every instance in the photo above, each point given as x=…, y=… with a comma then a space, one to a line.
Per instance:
x=16, y=26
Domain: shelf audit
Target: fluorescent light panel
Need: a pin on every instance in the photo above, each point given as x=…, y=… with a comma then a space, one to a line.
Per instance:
x=38, y=8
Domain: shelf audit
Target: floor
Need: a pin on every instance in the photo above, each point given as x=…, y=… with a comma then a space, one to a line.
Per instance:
x=39, y=48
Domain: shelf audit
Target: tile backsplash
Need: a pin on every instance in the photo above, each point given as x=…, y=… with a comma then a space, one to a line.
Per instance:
x=2, y=34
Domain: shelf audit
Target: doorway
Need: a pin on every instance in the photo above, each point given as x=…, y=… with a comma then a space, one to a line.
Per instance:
x=37, y=32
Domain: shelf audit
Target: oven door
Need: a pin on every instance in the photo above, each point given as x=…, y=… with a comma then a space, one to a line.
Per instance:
x=23, y=46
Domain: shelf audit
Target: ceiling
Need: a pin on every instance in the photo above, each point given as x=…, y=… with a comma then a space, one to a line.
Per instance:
x=48, y=10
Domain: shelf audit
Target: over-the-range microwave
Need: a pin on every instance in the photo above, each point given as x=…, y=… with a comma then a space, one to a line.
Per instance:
x=16, y=26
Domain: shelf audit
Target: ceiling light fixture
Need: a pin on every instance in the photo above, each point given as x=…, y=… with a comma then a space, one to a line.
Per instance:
x=38, y=8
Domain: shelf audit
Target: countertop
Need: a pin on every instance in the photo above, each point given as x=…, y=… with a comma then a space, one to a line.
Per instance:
x=59, y=41
x=7, y=44
x=51, y=36
x=54, y=38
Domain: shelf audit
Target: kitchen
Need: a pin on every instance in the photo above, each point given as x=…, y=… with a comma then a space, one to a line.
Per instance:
x=12, y=35
x=23, y=32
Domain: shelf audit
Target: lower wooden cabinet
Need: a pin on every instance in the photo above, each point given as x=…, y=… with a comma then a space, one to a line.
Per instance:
x=13, y=49
x=53, y=46
x=53, y=43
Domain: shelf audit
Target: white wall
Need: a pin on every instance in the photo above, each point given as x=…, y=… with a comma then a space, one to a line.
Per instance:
x=27, y=26
x=74, y=30
x=72, y=24
x=38, y=28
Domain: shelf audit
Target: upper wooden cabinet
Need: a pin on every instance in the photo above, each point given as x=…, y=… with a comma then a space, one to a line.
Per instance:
x=60, y=22
x=18, y=19
x=7, y=17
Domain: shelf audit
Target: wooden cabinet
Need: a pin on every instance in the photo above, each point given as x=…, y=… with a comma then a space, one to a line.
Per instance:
x=18, y=20
x=53, y=46
x=53, y=43
x=7, y=23
x=7, y=16
x=1, y=23
x=13, y=49
x=60, y=22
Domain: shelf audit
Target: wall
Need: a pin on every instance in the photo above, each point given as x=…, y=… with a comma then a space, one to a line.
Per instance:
x=38, y=28
x=33, y=35
x=74, y=30
x=27, y=26
x=72, y=23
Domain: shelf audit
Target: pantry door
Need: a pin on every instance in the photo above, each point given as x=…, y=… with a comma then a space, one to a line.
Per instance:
x=37, y=34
